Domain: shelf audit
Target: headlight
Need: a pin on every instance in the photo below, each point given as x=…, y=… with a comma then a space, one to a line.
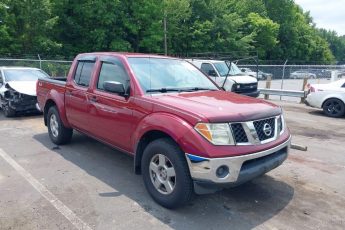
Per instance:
x=217, y=134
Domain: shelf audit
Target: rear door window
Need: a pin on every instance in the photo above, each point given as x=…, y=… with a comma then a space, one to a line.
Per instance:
x=83, y=73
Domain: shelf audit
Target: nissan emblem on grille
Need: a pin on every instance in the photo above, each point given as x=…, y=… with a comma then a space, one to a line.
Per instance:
x=267, y=129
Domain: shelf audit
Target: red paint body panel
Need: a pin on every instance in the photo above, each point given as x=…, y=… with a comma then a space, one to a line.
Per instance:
x=121, y=122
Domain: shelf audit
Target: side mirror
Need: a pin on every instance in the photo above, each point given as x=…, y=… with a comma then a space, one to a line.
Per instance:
x=212, y=73
x=114, y=87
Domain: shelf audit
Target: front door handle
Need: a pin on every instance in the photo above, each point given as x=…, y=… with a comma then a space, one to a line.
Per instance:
x=93, y=99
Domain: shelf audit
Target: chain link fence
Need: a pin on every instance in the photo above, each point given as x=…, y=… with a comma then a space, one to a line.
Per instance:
x=291, y=77
x=294, y=73
x=55, y=68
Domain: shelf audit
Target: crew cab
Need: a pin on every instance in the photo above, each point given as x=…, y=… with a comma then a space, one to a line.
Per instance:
x=228, y=76
x=186, y=134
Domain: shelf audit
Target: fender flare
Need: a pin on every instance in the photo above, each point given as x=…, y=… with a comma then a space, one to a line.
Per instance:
x=59, y=101
x=169, y=125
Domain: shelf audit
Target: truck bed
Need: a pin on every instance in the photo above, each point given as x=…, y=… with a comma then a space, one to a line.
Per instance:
x=48, y=86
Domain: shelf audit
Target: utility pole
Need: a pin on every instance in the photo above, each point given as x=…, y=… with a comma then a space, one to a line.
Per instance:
x=165, y=36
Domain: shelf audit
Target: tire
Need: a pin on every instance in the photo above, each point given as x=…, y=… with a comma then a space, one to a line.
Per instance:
x=334, y=107
x=181, y=186
x=9, y=112
x=58, y=133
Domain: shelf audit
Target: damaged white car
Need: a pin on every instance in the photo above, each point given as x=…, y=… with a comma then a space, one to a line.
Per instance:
x=18, y=89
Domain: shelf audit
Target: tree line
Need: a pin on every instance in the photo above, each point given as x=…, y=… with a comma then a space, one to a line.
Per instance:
x=275, y=29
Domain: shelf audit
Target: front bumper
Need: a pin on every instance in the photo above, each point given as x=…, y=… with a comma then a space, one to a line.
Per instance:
x=25, y=104
x=241, y=168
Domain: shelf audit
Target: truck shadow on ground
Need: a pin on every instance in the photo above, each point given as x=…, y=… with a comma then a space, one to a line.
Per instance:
x=244, y=207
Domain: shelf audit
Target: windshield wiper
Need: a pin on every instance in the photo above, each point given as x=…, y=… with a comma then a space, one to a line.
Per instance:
x=191, y=89
x=197, y=89
x=164, y=90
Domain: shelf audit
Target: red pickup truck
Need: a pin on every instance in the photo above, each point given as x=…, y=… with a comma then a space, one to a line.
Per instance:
x=185, y=133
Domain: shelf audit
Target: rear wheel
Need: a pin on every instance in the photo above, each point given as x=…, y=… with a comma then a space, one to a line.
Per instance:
x=58, y=133
x=166, y=174
x=334, y=107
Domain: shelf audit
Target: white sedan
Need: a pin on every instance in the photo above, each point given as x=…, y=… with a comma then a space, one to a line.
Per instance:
x=330, y=97
x=18, y=89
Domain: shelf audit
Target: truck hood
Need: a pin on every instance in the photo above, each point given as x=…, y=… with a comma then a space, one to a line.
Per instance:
x=243, y=79
x=24, y=87
x=217, y=106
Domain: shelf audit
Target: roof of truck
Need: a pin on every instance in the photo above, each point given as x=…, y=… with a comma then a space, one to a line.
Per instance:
x=127, y=54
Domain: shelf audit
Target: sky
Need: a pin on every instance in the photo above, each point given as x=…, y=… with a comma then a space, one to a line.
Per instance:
x=327, y=14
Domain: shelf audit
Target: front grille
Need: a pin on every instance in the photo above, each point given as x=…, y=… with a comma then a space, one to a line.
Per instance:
x=239, y=133
x=262, y=128
x=246, y=88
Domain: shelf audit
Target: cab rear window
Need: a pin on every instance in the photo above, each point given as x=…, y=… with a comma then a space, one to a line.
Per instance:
x=83, y=73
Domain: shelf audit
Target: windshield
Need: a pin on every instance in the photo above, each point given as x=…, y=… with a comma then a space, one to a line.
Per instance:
x=223, y=69
x=24, y=74
x=163, y=73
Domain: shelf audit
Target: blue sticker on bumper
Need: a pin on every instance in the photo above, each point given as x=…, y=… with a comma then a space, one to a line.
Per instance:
x=196, y=159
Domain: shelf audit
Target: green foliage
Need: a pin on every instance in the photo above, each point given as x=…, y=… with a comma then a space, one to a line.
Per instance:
x=62, y=28
x=298, y=39
x=337, y=43
x=27, y=27
x=265, y=33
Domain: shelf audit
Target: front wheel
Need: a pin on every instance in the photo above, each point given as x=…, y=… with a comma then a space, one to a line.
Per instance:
x=58, y=133
x=334, y=107
x=166, y=174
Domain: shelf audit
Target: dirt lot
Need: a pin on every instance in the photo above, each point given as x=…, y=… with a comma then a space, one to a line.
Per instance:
x=40, y=183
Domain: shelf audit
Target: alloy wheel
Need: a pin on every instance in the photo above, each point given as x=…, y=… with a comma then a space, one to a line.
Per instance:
x=162, y=174
x=54, y=125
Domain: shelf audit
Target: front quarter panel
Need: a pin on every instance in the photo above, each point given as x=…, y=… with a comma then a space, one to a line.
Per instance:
x=174, y=126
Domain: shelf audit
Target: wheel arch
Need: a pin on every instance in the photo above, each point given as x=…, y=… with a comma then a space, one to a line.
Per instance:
x=331, y=97
x=56, y=98
x=50, y=103
x=144, y=141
